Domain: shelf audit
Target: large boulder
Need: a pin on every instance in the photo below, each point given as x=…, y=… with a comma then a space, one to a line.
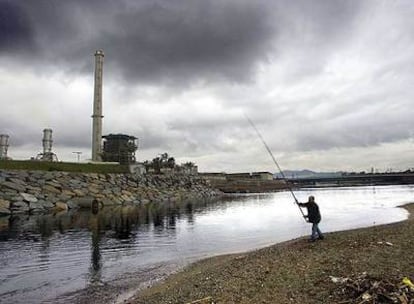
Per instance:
x=60, y=206
x=19, y=206
x=4, y=207
x=72, y=205
x=79, y=192
x=63, y=197
x=109, y=202
x=42, y=204
x=28, y=197
x=14, y=186
x=82, y=202
x=49, y=188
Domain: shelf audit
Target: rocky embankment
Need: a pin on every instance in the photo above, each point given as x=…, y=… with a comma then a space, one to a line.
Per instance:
x=43, y=191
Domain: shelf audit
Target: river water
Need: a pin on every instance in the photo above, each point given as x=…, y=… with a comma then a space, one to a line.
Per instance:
x=55, y=258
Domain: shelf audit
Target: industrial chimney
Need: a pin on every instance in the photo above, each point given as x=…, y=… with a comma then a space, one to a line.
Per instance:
x=47, y=142
x=97, y=108
x=4, y=145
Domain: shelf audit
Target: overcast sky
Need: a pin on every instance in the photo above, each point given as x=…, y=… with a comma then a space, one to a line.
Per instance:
x=329, y=84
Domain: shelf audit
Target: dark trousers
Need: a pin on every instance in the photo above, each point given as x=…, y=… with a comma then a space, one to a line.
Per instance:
x=316, y=232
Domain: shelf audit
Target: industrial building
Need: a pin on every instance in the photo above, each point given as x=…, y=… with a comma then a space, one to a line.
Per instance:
x=119, y=148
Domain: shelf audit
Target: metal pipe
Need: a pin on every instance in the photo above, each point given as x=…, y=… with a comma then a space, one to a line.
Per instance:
x=277, y=165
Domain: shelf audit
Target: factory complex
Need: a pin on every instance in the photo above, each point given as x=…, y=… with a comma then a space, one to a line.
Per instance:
x=115, y=148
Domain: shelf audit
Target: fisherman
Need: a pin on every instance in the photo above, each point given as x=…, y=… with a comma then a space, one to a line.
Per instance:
x=314, y=217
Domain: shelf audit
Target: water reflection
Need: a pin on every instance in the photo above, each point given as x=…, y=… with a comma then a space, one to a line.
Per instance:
x=96, y=263
x=50, y=255
x=79, y=248
x=120, y=219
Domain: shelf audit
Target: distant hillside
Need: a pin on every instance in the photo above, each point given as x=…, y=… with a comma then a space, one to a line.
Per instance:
x=306, y=174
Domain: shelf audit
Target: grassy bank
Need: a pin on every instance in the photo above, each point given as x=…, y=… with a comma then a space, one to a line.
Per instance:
x=300, y=272
x=62, y=166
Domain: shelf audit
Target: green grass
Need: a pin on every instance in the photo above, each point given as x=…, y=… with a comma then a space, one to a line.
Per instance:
x=62, y=166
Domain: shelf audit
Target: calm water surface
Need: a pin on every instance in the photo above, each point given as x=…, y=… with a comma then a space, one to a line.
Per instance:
x=50, y=258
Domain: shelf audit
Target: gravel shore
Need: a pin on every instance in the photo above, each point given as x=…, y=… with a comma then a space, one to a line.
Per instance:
x=335, y=270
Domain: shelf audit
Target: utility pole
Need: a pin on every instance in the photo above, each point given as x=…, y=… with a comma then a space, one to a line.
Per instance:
x=78, y=155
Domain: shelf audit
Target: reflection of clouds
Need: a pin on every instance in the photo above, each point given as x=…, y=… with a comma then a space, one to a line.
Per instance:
x=353, y=207
x=341, y=208
x=235, y=213
x=118, y=240
x=265, y=211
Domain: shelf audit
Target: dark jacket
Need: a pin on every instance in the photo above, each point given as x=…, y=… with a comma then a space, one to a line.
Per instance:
x=314, y=216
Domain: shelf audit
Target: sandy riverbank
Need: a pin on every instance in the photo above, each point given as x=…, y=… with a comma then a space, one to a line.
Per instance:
x=295, y=271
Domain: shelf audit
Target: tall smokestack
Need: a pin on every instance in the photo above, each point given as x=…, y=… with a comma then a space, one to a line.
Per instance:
x=4, y=145
x=97, y=108
x=47, y=141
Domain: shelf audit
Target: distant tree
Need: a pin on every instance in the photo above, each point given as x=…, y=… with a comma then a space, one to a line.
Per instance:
x=147, y=165
x=189, y=165
x=156, y=164
x=164, y=157
x=171, y=162
x=159, y=162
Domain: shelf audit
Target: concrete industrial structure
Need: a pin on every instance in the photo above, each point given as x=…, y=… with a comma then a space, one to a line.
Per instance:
x=4, y=145
x=97, y=108
x=47, y=142
x=119, y=148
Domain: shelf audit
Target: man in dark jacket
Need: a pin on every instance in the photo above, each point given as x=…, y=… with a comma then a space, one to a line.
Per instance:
x=314, y=217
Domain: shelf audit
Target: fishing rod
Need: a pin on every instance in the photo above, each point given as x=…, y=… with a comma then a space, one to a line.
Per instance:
x=277, y=165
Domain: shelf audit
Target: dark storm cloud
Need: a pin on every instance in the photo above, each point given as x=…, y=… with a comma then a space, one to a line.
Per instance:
x=313, y=75
x=180, y=42
x=15, y=28
x=149, y=41
x=187, y=41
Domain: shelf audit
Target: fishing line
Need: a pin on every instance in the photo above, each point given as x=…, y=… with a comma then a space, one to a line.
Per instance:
x=277, y=165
